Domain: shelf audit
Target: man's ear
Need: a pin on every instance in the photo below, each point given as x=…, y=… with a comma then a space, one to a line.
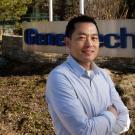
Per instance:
x=67, y=41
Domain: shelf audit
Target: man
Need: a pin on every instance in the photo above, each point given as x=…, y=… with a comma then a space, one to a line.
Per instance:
x=81, y=97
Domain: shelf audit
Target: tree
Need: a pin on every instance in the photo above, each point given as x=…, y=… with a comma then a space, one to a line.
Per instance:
x=13, y=9
x=60, y=9
x=106, y=9
x=66, y=9
x=131, y=8
x=40, y=7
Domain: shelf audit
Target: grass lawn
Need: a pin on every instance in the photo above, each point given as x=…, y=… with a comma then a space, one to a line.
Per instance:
x=23, y=110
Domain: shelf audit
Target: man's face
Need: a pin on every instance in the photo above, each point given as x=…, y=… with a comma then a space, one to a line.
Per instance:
x=84, y=42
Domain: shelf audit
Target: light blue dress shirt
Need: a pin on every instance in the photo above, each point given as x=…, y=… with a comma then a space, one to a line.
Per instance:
x=78, y=101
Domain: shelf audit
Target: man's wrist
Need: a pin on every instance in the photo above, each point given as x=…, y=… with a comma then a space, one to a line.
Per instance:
x=110, y=117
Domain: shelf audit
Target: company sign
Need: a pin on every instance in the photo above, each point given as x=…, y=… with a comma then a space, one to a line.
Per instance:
x=116, y=37
x=32, y=36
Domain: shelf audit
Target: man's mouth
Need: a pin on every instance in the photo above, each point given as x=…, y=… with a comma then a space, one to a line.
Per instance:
x=88, y=51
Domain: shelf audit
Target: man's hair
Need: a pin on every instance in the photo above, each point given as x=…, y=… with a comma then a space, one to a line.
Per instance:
x=78, y=19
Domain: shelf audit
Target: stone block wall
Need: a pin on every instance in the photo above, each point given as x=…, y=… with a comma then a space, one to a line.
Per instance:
x=12, y=48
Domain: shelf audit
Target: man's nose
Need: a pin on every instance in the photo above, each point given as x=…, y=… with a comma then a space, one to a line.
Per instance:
x=88, y=42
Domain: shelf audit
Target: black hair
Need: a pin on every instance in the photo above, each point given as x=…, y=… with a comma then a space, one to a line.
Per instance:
x=78, y=19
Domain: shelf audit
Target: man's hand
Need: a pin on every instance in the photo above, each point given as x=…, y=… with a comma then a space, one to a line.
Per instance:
x=112, y=109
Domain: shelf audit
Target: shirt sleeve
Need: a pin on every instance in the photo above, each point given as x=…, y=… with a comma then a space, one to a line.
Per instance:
x=123, y=121
x=63, y=99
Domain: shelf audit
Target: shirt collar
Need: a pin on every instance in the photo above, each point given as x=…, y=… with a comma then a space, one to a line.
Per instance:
x=78, y=69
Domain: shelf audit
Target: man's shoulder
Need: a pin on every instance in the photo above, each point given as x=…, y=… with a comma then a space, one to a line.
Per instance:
x=60, y=69
x=106, y=73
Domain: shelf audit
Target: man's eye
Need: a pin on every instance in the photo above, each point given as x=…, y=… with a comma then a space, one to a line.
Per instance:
x=95, y=38
x=82, y=38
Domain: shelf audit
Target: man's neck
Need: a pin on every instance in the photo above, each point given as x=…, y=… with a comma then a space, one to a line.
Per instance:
x=87, y=66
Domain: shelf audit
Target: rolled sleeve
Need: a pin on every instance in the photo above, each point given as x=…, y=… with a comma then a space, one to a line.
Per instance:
x=123, y=121
x=111, y=118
